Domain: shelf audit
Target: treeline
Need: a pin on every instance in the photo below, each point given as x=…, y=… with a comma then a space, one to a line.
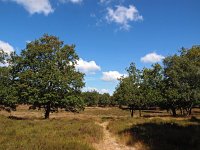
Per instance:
x=94, y=98
x=173, y=86
x=44, y=76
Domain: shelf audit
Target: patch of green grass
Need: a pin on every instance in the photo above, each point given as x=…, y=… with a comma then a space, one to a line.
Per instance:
x=76, y=134
x=158, y=133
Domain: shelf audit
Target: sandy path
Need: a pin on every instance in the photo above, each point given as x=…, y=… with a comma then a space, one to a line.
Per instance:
x=109, y=142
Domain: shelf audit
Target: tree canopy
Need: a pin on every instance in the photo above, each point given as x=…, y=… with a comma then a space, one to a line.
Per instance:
x=46, y=76
x=8, y=92
x=174, y=86
x=182, y=79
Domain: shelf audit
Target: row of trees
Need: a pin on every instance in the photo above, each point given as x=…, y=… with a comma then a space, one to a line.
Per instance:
x=43, y=75
x=94, y=98
x=175, y=86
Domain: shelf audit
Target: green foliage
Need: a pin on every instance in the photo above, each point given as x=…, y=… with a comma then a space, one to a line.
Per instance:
x=140, y=89
x=46, y=76
x=176, y=86
x=104, y=100
x=151, y=85
x=94, y=98
x=127, y=91
x=8, y=92
x=182, y=79
x=3, y=57
x=91, y=98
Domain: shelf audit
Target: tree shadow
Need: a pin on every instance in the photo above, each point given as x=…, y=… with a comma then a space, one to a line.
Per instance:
x=17, y=118
x=165, y=136
x=194, y=119
x=197, y=112
x=150, y=115
x=154, y=111
x=24, y=118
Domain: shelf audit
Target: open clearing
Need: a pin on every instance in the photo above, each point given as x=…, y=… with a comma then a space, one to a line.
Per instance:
x=98, y=128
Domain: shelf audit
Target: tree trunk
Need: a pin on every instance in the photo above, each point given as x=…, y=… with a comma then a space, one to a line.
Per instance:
x=47, y=110
x=181, y=110
x=173, y=112
x=190, y=111
x=140, y=113
x=131, y=111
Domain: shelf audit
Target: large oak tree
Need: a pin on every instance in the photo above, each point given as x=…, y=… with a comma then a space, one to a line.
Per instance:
x=47, y=77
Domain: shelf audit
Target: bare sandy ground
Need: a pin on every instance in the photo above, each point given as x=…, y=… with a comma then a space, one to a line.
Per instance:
x=109, y=142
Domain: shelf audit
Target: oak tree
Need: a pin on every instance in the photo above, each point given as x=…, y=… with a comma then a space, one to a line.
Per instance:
x=47, y=77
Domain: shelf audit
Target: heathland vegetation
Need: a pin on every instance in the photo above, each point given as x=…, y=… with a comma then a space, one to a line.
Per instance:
x=163, y=102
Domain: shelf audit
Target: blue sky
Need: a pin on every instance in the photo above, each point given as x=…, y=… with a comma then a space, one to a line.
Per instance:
x=108, y=34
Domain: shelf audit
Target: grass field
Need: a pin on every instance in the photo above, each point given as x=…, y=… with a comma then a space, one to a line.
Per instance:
x=156, y=130
x=158, y=133
x=72, y=134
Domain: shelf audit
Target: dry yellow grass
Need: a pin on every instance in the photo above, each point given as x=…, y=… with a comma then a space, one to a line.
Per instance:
x=27, y=125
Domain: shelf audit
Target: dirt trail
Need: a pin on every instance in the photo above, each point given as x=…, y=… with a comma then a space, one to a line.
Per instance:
x=109, y=142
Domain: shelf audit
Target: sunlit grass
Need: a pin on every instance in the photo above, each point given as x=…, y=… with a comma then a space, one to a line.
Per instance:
x=27, y=129
x=71, y=134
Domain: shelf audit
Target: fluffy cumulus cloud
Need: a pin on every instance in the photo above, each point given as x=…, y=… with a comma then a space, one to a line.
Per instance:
x=6, y=47
x=123, y=15
x=152, y=58
x=88, y=67
x=35, y=6
x=40, y=6
x=112, y=76
x=90, y=89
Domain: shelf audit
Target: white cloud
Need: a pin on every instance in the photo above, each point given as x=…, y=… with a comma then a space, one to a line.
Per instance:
x=28, y=41
x=105, y=1
x=6, y=47
x=112, y=76
x=111, y=1
x=88, y=67
x=104, y=91
x=72, y=1
x=90, y=89
x=102, y=1
x=35, y=6
x=152, y=58
x=123, y=15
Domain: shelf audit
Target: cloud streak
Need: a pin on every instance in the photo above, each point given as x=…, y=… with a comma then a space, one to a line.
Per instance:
x=72, y=1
